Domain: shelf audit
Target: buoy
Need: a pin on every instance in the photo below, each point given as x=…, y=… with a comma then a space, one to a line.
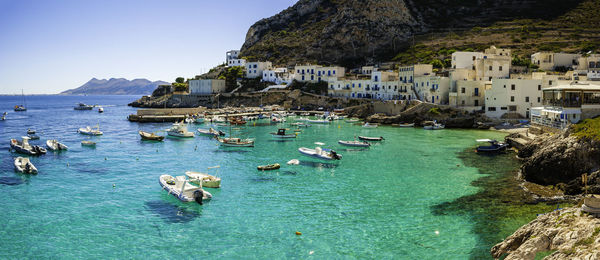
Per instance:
x=114, y=185
x=437, y=232
x=298, y=233
x=339, y=126
x=67, y=164
x=105, y=158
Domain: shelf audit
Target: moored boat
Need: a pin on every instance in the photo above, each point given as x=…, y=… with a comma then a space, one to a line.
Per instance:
x=20, y=108
x=434, y=126
x=367, y=138
x=90, y=131
x=269, y=167
x=320, y=153
x=352, y=120
x=55, y=145
x=100, y=110
x=282, y=135
x=354, y=143
x=150, y=136
x=82, y=106
x=30, y=131
x=88, y=143
x=182, y=190
x=3, y=116
x=204, y=179
x=494, y=147
x=406, y=125
x=210, y=132
x=33, y=137
x=319, y=121
x=24, y=165
x=367, y=125
x=180, y=130
x=235, y=142
x=25, y=148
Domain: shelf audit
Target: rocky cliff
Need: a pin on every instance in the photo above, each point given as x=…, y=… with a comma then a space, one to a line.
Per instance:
x=422, y=113
x=357, y=31
x=564, y=234
x=115, y=86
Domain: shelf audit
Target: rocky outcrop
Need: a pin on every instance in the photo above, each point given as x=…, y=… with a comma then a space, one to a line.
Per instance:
x=420, y=113
x=571, y=233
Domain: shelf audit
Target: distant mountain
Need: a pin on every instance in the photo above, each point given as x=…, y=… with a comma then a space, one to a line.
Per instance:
x=115, y=86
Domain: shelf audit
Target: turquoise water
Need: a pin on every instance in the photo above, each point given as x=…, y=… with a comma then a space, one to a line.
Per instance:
x=374, y=203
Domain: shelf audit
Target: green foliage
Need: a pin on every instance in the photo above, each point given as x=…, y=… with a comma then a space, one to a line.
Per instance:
x=180, y=80
x=438, y=64
x=231, y=75
x=319, y=88
x=181, y=87
x=435, y=111
x=587, y=129
x=521, y=61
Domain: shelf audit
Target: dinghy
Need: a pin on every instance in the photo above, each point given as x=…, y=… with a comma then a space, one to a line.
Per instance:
x=269, y=167
x=354, y=143
x=366, y=138
x=55, y=145
x=320, y=153
x=351, y=120
x=23, y=165
x=90, y=131
x=33, y=137
x=494, y=147
x=182, y=190
x=150, y=136
x=281, y=134
x=25, y=148
x=100, y=110
x=205, y=179
x=3, y=116
x=235, y=142
x=406, y=125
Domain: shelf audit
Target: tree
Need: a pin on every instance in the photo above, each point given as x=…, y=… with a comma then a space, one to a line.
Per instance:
x=438, y=64
x=180, y=80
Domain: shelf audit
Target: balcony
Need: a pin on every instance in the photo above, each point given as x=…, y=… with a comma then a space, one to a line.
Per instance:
x=544, y=121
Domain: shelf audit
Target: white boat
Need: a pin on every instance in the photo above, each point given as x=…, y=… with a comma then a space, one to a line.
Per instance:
x=182, y=190
x=282, y=135
x=20, y=108
x=354, y=143
x=320, y=153
x=88, y=143
x=319, y=121
x=90, y=131
x=367, y=138
x=435, y=126
x=205, y=179
x=406, y=125
x=82, y=106
x=55, y=145
x=277, y=119
x=3, y=116
x=351, y=120
x=180, y=130
x=23, y=165
x=235, y=142
x=100, y=110
x=210, y=132
x=30, y=131
x=367, y=125
x=25, y=148
x=293, y=162
x=302, y=119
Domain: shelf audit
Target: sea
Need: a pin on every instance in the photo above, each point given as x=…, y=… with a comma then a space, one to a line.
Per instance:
x=416, y=195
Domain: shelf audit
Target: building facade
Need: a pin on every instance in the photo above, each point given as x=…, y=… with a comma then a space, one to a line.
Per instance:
x=255, y=69
x=567, y=104
x=206, y=86
x=512, y=98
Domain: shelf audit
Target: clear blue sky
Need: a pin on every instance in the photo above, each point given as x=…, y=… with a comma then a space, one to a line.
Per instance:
x=47, y=46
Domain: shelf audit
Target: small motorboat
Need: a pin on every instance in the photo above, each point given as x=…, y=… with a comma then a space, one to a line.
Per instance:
x=150, y=136
x=33, y=137
x=320, y=153
x=90, y=131
x=367, y=125
x=24, y=165
x=88, y=143
x=293, y=162
x=406, y=125
x=354, y=120
x=179, y=130
x=3, y=116
x=281, y=134
x=494, y=147
x=182, y=190
x=367, y=138
x=20, y=108
x=210, y=132
x=434, y=126
x=82, y=106
x=55, y=145
x=299, y=124
x=100, y=110
x=354, y=143
x=25, y=148
x=205, y=179
x=235, y=142
x=269, y=167
x=30, y=131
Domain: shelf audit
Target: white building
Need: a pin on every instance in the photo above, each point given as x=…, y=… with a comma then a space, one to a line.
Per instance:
x=255, y=69
x=406, y=79
x=206, y=86
x=232, y=59
x=590, y=66
x=316, y=73
x=465, y=59
x=433, y=89
x=567, y=104
x=278, y=76
x=512, y=97
x=550, y=60
x=493, y=63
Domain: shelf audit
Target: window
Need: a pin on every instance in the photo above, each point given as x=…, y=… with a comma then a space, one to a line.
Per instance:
x=491, y=108
x=512, y=98
x=504, y=86
x=500, y=68
x=463, y=102
x=539, y=100
x=476, y=102
x=539, y=87
x=473, y=57
x=526, y=99
x=512, y=108
x=512, y=87
x=490, y=68
x=550, y=82
x=462, y=90
x=503, y=108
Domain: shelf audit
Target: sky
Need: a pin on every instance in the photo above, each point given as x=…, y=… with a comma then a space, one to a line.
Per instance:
x=48, y=46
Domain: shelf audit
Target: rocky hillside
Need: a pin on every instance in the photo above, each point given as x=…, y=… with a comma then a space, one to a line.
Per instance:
x=115, y=86
x=350, y=32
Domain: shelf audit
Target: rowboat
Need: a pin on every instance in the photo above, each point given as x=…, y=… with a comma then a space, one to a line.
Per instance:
x=89, y=131
x=180, y=130
x=210, y=132
x=366, y=138
x=23, y=165
x=182, y=190
x=281, y=134
x=55, y=145
x=150, y=136
x=269, y=167
x=235, y=142
x=25, y=148
x=204, y=179
x=367, y=125
x=88, y=143
x=320, y=153
x=354, y=143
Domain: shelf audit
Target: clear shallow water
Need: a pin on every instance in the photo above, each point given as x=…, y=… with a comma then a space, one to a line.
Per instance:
x=383, y=202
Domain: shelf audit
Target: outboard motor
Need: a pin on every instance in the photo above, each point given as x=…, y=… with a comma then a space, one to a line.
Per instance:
x=198, y=196
x=334, y=155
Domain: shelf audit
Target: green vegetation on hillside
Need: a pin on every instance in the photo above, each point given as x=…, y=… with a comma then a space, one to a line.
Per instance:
x=588, y=128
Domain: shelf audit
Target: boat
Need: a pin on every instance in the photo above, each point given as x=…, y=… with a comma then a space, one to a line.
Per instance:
x=25, y=148
x=299, y=124
x=354, y=143
x=55, y=145
x=406, y=125
x=211, y=132
x=180, y=130
x=277, y=119
x=351, y=120
x=236, y=121
x=182, y=190
x=33, y=137
x=494, y=147
x=435, y=126
x=150, y=136
x=318, y=121
x=24, y=165
x=235, y=142
x=3, y=116
x=90, y=131
x=320, y=153
x=82, y=106
x=269, y=167
x=367, y=125
x=205, y=179
x=293, y=162
x=281, y=134
x=30, y=131
x=366, y=138
x=19, y=108
x=100, y=110
x=88, y=143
